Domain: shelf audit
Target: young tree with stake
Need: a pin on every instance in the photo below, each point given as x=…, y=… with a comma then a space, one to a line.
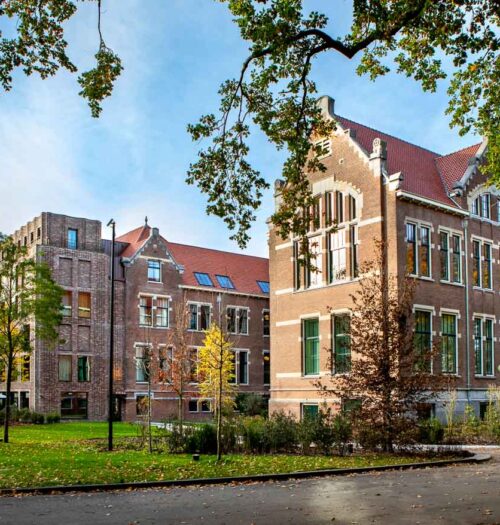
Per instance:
x=216, y=370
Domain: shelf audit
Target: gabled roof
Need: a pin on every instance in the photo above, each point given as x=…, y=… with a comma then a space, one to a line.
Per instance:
x=425, y=173
x=453, y=166
x=135, y=239
x=243, y=270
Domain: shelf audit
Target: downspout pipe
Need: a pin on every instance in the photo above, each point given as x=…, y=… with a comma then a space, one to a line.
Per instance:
x=465, y=224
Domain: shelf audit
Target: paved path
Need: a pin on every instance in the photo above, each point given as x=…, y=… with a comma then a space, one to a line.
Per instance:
x=467, y=494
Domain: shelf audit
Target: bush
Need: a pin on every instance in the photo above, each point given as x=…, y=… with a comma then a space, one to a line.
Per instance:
x=282, y=433
x=431, y=432
x=202, y=439
x=24, y=415
x=253, y=432
x=52, y=417
x=325, y=431
x=37, y=418
x=251, y=405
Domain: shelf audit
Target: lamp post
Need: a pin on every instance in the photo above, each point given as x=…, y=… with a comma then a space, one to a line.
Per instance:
x=111, y=337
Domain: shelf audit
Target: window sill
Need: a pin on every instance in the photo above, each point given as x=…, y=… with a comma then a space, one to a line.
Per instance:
x=310, y=376
x=460, y=285
x=479, y=289
x=154, y=282
x=484, y=377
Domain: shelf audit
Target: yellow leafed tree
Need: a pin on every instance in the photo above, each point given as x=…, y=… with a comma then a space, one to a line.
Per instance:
x=216, y=372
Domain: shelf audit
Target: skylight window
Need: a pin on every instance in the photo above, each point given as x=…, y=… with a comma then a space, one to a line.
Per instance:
x=203, y=279
x=225, y=281
x=264, y=286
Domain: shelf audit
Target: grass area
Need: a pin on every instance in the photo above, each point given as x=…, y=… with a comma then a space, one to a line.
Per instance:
x=72, y=454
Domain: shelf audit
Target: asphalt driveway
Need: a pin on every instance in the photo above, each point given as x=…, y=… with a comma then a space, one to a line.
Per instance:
x=463, y=494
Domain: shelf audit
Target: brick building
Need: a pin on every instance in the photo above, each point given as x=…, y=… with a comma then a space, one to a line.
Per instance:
x=441, y=220
x=151, y=276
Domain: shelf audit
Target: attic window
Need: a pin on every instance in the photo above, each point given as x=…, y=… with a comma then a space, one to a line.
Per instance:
x=225, y=281
x=154, y=271
x=326, y=148
x=481, y=206
x=264, y=286
x=203, y=279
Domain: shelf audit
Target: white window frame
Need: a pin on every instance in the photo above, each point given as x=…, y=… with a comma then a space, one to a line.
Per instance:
x=237, y=319
x=483, y=242
x=326, y=144
x=198, y=315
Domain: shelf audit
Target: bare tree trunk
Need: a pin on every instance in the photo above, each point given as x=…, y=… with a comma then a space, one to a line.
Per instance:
x=149, y=415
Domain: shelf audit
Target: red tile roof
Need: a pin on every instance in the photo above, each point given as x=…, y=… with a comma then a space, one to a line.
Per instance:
x=453, y=166
x=136, y=239
x=244, y=270
x=425, y=173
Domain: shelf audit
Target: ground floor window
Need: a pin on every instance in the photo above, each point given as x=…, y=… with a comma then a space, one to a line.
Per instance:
x=449, y=343
x=141, y=404
x=74, y=405
x=309, y=410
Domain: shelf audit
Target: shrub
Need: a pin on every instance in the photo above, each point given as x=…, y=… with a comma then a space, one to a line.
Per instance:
x=431, y=431
x=342, y=429
x=52, y=417
x=282, y=433
x=253, y=432
x=24, y=415
x=37, y=418
x=201, y=438
x=251, y=405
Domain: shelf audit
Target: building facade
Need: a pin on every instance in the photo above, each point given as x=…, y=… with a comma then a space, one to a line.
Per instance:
x=441, y=221
x=152, y=276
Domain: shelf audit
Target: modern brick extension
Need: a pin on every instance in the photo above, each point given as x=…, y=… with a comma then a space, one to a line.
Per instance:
x=151, y=276
x=441, y=220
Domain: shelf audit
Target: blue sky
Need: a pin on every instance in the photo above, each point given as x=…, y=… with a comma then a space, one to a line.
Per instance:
x=132, y=161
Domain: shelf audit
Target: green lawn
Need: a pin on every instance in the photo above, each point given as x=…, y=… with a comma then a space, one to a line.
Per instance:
x=73, y=453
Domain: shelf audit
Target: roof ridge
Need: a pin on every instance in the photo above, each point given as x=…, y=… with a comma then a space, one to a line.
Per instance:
x=215, y=250
x=392, y=136
x=459, y=150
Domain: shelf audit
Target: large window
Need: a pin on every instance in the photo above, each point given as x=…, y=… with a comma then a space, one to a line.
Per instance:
x=418, y=250
x=237, y=320
x=199, y=316
x=449, y=343
x=67, y=303
x=336, y=256
x=314, y=270
x=425, y=253
x=266, y=323
x=310, y=328
x=154, y=311
x=84, y=305
x=242, y=367
x=483, y=346
x=481, y=264
x=266, y=365
x=411, y=249
x=481, y=206
x=145, y=310
x=309, y=411
x=341, y=344
x=72, y=239
x=65, y=367
x=83, y=368
x=154, y=271
x=162, y=308
x=423, y=339
x=74, y=405
x=142, y=364
x=444, y=256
